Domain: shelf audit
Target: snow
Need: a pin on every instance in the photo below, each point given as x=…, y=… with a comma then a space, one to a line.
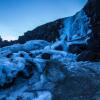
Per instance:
x=9, y=70
x=28, y=46
x=35, y=44
x=12, y=48
x=76, y=27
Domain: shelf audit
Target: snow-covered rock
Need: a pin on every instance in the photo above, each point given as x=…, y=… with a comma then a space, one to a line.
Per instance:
x=79, y=80
x=13, y=48
x=76, y=27
x=28, y=46
x=35, y=45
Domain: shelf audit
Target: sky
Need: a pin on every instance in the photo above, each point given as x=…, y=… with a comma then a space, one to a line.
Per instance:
x=19, y=16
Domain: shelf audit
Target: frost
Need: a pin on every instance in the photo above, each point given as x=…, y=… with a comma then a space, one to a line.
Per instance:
x=76, y=27
x=35, y=44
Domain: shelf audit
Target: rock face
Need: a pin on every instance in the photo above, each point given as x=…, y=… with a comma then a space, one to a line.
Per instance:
x=93, y=44
x=88, y=56
x=91, y=10
x=48, y=32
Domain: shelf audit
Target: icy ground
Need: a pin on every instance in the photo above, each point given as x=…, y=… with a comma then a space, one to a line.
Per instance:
x=34, y=71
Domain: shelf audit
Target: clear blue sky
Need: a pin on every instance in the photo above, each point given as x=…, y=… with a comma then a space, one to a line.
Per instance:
x=19, y=16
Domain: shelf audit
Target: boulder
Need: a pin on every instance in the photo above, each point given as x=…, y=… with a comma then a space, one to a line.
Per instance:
x=88, y=56
x=46, y=56
x=76, y=48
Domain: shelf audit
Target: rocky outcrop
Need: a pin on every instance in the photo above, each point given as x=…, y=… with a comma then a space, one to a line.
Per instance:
x=48, y=32
x=91, y=10
x=93, y=44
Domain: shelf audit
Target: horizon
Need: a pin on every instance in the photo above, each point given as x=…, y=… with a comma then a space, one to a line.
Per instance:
x=19, y=16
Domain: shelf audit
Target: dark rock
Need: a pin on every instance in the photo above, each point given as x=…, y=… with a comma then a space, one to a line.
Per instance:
x=94, y=45
x=88, y=56
x=46, y=56
x=93, y=12
x=4, y=98
x=55, y=70
x=21, y=55
x=29, y=69
x=9, y=55
x=59, y=47
x=19, y=98
x=31, y=55
x=76, y=48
